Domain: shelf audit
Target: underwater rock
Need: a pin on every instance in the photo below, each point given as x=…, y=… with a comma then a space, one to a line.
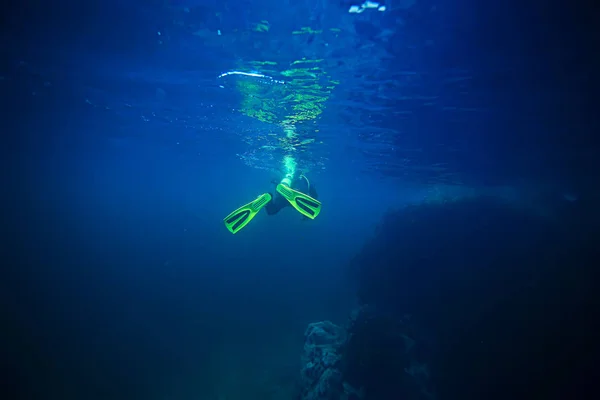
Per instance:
x=478, y=276
x=374, y=354
x=321, y=379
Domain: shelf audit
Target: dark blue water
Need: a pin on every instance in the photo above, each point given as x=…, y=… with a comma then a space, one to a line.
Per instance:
x=451, y=145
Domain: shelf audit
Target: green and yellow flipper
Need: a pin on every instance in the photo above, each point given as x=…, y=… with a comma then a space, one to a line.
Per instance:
x=305, y=204
x=240, y=217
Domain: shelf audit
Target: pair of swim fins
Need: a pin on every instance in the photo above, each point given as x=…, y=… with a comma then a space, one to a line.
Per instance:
x=303, y=203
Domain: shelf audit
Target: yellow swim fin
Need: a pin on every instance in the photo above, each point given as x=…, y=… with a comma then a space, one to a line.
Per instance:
x=240, y=217
x=305, y=204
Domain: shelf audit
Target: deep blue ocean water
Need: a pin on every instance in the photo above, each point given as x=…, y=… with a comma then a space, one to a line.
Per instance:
x=132, y=128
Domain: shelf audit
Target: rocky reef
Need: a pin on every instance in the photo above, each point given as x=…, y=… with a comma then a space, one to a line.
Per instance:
x=321, y=375
x=373, y=356
x=464, y=299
